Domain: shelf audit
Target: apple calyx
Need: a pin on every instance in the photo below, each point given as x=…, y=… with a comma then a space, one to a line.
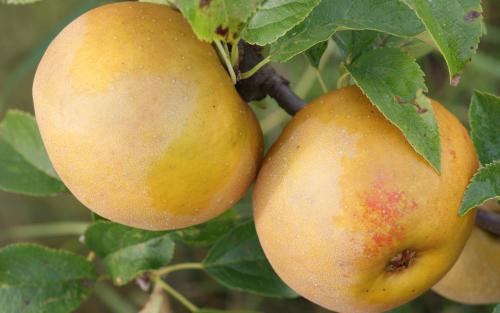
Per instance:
x=401, y=261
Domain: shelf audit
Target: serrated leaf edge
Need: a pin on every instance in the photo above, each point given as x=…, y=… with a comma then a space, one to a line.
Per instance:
x=463, y=211
x=437, y=46
x=51, y=250
x=280, y=34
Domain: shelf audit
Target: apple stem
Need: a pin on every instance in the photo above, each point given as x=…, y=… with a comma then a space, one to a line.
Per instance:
x=224, y=54
x=489, y=221
x=265, y=81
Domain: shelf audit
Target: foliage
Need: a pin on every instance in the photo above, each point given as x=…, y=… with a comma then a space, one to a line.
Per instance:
x=455, y=27
x=24, y=163
x=391, y=17
x=206, y=234
x=127, y=252
x=37, y=279
x=484, y=115
x=237, y=261
x=394, y=83
x=484, y=185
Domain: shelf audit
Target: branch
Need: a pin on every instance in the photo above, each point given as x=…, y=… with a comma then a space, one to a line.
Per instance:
x=177, y=267
x=265, y=81
x=489, y=221
x=177, y=295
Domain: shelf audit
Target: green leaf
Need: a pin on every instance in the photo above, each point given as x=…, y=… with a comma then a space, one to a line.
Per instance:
x=354, y=42
x=485, y=185
x=313, y=30
x=315, y=53
x=390, y=17
x=18, y=1
x=386, y=16
x=455, y=27
x=20, y=130
x=217, y=19
x=497, y=309
x=238, y=262
x=274, y=18
x=484, y=116
x=415, y=47
x=394, y=83
x=224, y=311
x=24, y=165
x=19, y=176
x=206, y=234
x=128, y=252
x=36, y=279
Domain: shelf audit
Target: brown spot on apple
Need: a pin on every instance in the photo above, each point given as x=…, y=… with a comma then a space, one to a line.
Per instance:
x=453, y=154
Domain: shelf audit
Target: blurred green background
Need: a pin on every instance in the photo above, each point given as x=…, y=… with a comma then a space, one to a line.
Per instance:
x=25, y=33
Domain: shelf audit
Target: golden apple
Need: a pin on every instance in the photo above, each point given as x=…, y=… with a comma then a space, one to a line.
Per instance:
x=350, y=216
x=475, y=277
x=141, y=121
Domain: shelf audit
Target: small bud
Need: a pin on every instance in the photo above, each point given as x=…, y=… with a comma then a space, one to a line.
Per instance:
x=222, y=31
x=143, y=282
x=455, y=80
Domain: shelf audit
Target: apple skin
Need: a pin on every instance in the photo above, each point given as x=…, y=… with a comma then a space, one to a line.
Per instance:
x=141, y=121
x=475, y=277
x=350, y=216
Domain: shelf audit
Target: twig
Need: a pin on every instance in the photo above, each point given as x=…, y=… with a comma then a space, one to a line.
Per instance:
x=225, y=57
x=255, y=69
x=235, y=55
x=177, y=267
x=176, y=295
x=265, y=81
x=320, y=80
x=489, y=221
